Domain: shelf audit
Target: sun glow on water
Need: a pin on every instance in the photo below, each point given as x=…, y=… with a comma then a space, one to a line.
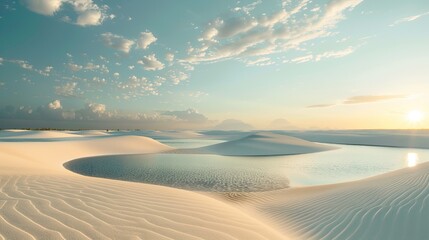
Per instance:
x=412, y=159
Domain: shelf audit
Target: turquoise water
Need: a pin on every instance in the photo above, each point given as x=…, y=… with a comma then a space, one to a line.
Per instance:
x=238, y=174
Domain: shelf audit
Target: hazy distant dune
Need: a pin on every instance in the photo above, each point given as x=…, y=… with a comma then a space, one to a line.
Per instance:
x=388, y=138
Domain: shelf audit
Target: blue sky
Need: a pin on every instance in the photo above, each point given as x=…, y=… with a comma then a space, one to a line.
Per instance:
x=192, y=64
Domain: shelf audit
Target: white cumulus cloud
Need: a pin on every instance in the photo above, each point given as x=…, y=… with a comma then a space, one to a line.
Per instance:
x=67, y=90
x=97, y=108
x=88, y=13
x=74, y=67
x=145, y=39
x=55, y=105
x=44, y=7
x=117, y=42
x=150, y=63
x=169, y=57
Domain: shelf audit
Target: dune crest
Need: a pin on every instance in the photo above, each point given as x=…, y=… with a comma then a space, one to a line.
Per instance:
x=264, y=144
x=30, y=134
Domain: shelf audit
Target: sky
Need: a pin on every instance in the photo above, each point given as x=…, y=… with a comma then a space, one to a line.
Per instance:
x=273, y=64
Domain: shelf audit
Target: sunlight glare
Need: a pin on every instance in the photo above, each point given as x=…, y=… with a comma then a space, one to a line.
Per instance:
x=415, y=116
x=412, y=159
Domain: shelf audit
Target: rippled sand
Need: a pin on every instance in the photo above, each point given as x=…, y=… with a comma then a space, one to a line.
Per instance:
x=39, y=199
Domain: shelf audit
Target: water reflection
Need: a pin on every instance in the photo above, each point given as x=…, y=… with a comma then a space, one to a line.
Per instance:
x=240, y=174
x=412, y=159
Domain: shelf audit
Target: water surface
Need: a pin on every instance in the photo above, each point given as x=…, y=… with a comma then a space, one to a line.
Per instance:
x=204, y=172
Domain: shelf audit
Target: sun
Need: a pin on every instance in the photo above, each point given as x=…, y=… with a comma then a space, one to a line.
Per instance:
x=415, y=116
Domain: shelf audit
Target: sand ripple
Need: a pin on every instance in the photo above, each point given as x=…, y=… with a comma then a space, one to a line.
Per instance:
x=389, y=206
x=75, y=207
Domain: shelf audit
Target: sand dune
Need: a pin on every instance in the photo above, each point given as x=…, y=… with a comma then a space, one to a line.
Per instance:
x=48, y=157
x=39, y=199
x=387, y=138
x=171, y=134
x=90, y=133
x=29, y=134
x=390, y=206
x=75, y=207
x=263, y=144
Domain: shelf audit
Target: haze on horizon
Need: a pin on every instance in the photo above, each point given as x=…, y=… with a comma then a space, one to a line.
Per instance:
x=275, y=64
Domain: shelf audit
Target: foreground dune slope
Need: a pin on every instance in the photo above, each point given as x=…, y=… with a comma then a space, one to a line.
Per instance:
x=390, y=206
x=54, y=207
x=39, y=199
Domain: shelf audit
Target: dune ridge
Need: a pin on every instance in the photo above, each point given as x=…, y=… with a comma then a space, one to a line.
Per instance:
x=30, y=134
x=262, y=144
x=382, y=138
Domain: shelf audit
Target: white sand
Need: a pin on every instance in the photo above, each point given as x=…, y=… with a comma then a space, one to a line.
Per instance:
x=20, y=134
x=391, y=206
x=39, y=199
x=386, y=138
x=263, y=144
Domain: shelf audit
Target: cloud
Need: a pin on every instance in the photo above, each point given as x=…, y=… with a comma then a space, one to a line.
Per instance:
x=372, y=98
x=247, y=9
x=23, y=64
x=66, y=90
x=197, y=94
x=74, y=67
x=408, y=19
x=55, y=105
x=88, y=13
x=117, y=42
x=1, y=61
x=189, y=115
x=96, y=67
x=325, y=55
x=137, y=87
x=233, y=124
x=242, y=36
x=97, y=108
x=363, y=99
x=48, y=69
x=178, y=77
x=335, y=54
x=150, y=63
x=169, y=57
x=320, y=105
x=263, y=61
x=303, y=59
x=89, y=18
x=145, y=39
x=96, y=116
x=44, y=7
